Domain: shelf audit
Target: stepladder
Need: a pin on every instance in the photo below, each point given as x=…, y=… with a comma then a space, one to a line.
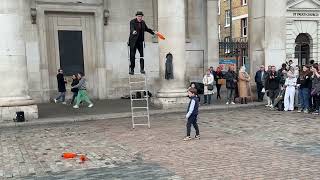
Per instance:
x=139, y=98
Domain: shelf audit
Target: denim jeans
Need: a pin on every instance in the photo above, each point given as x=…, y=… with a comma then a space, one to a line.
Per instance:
x=230, y=95
x=207, y=98
x=61, y=96
x=75, y=94
x=304, y=97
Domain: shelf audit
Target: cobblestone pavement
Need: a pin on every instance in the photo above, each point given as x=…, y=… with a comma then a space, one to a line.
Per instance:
x=239, y=144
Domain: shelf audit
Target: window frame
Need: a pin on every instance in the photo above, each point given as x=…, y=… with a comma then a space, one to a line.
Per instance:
x=244, y=27
x=244, y=2
x=227, y=20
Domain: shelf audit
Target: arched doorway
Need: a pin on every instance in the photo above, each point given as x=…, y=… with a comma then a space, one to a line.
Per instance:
x=302, y=49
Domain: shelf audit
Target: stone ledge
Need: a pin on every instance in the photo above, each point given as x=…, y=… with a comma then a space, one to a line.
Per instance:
x=7, y=114
x=100, y=117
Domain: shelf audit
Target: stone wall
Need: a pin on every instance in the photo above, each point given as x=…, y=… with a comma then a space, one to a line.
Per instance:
x=115, y=45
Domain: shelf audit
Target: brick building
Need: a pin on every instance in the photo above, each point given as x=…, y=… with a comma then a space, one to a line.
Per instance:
x=239, y=29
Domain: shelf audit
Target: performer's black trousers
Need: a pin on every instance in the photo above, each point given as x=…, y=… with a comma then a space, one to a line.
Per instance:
x=139, y=46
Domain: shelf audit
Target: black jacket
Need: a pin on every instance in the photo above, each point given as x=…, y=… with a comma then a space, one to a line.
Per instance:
x=61, y=83
x=217, y=76
x=258, y=78
x=266, y=80
x=74, y=82
x=134, y=26
x=273, y=81
x=231, y=77
x=282, y=76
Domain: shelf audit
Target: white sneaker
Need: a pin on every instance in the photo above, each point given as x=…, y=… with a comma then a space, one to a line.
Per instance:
x=227, y=103
x=233, y=103
x=64, y=103
x=55, y=101
x=90, y=105
x=76, y=106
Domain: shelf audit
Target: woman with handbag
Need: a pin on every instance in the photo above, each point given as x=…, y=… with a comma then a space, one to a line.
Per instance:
x=243, y=84
x=218, y=77
x=208, y=86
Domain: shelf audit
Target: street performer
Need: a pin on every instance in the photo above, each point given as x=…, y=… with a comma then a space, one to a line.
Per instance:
x=136, y=40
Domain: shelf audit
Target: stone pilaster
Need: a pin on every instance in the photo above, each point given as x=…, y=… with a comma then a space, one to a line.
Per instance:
x=172, y=25
x=13, y=66
x=212, y=33
x=267, y=32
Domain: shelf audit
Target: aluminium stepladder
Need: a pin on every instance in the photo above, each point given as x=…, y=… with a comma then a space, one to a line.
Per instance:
x=134, y=81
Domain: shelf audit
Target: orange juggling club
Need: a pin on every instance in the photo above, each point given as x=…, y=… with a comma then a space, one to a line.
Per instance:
x=161, y=36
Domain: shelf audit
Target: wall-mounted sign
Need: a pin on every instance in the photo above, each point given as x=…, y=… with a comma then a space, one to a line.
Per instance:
x=224, y=63
x=306, y=14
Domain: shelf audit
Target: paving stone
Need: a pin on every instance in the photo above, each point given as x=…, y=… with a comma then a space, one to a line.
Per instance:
x=237, y=144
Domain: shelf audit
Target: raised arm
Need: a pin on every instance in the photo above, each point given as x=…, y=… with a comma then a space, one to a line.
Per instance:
x=148, y=30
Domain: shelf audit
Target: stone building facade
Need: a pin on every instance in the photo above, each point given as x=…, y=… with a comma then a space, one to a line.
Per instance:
x=33, y=33
x=303, y=31
x=40, y=36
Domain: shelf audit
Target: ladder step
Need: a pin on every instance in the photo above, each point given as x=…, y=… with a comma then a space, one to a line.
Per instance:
x=146, y=115
x=137, y=82
x=138, y=74
x=141, y=124
x=138, y=90
x=141, y=99
x=140, y=107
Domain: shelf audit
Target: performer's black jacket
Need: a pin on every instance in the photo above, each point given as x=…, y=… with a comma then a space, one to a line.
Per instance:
x=134, y=26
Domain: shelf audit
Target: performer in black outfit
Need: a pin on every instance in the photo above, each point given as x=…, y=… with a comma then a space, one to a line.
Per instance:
x=136, y=40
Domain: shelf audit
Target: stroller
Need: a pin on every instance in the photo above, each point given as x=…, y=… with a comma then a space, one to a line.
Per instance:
x=279, y=101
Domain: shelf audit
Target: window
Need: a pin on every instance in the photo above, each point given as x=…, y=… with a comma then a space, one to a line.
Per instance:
x=244, y=27
x=219, y=7
x=227, y=45
x=71, y=51
x=244, y=2
x=227, y=18
x=219, y=31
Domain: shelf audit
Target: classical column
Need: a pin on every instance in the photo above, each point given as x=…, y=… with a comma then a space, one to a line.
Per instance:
x=212, y=30
x=13, y=66
x=155, y=18
x=172, y=24
x=267, y=33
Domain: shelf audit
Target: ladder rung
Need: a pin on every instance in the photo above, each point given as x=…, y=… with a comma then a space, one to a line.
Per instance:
x=146, y=115
x=141, y=99
x=140, y=107
x=137, y=82
x=138, y=90
x=141, y=124
x=138, y=74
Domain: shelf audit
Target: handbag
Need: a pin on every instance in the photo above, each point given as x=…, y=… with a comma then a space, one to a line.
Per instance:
x=210, y=87
x=221, y=81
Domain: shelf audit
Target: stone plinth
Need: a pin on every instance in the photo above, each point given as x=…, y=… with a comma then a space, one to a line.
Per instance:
x=7, y=114
x=171, y=99
x=172, y=24
x=13, y=66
